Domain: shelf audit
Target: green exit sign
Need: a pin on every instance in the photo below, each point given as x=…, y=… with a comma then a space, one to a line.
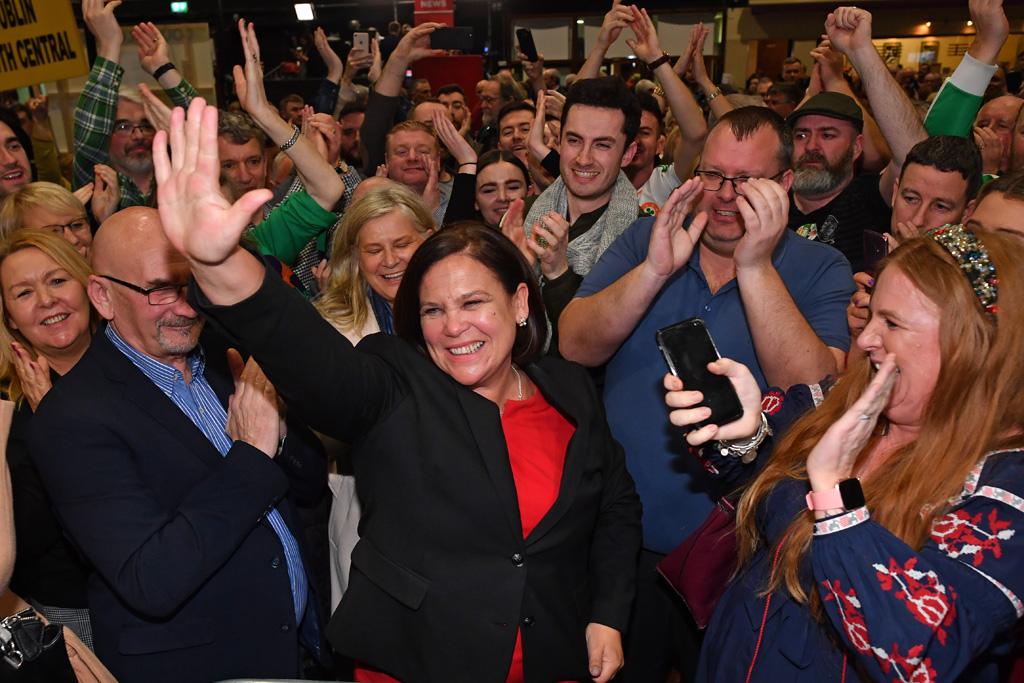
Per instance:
x=179, y=7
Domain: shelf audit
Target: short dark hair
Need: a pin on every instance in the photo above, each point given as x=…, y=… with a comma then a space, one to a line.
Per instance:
x=510, y=107
x=650, y=104
x=9, y=117
x=1010, y=186
x=746, y=121
x=792, y=91
x=351, y=108
x=292, y=97
x=949, y=153
x=495, y=252
x=239, y=128
x=497, y=156
x=450, y=88
x=394, y=27
x=608, y=92
x=792, y=60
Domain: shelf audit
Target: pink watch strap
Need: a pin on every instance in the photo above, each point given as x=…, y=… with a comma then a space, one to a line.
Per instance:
x=825, y=500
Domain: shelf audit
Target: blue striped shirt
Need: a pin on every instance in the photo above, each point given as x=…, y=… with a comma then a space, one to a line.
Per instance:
x=200, y=403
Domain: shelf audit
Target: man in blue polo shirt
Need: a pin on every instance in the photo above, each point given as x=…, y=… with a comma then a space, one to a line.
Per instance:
x=771, y=300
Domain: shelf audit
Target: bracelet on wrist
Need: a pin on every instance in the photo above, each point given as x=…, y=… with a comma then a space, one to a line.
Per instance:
x=161, y=70
x=715, y=93
x=468, y=163
x=292, y=140
x=745, y=450
x=663, y=59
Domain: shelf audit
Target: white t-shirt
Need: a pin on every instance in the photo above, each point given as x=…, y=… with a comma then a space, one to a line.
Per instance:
x=658, y=187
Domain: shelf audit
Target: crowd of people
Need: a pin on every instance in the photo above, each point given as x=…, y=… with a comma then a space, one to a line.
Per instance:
x=428, y=434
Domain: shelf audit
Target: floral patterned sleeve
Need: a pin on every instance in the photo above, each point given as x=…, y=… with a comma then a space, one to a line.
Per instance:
x=927, y=616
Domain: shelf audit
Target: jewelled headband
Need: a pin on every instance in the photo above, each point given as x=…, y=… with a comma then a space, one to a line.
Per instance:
x=972, y=257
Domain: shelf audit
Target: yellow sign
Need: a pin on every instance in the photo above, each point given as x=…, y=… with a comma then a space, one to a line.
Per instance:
x=39, y=42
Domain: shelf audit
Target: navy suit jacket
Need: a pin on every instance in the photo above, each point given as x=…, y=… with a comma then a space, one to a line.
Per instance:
x=190, y=580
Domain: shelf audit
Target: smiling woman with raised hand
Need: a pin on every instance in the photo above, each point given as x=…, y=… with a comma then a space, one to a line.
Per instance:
x=500, y=527
x=47, y=327
x=883, y=537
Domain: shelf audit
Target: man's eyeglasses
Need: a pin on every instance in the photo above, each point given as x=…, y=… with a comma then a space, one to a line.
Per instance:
x=77, y=225
x=127, y=128
x=713, y=181
x=487, y=99
x=157, y=296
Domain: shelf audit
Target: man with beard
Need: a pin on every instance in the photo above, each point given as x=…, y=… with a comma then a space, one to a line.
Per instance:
x=181, y=501
x=110, y=124
x=829, y=203
x=351, y=120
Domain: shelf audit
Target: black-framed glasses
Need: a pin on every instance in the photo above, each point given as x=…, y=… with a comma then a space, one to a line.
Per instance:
x=157, y=296
x=127, y=128
x=77, y=225
x=713, y=181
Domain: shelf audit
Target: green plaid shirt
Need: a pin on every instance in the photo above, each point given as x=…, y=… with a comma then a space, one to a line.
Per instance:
x=94, y=124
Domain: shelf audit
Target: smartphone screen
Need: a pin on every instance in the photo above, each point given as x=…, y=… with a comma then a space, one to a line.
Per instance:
x=688, y=348
x=526, y=44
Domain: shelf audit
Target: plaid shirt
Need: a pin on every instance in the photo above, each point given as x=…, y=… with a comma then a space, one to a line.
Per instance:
x=94, y=124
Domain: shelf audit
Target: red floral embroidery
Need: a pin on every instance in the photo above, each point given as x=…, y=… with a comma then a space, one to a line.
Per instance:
x=911, y=667
x=925, y=598
x=771, y=402
x=849, y=612
x=960, y=533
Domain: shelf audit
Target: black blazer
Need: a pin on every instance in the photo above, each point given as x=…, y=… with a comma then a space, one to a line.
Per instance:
x=442, y=577
x=190, y=580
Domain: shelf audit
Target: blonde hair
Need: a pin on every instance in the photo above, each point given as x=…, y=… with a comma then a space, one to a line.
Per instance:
x=974, y=408
x=38, y=195
x=61, y=251
x=344, y=303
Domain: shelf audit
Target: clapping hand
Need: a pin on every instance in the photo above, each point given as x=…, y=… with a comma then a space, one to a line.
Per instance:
x=34, y=375
x=254, y=411
x=107, y=193
x=672, y=245
x=764, y=206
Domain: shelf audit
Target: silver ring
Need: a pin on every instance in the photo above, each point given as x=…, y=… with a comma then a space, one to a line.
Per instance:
x=865, y=416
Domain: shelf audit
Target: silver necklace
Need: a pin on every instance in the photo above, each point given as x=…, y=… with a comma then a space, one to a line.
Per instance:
x=501, y=411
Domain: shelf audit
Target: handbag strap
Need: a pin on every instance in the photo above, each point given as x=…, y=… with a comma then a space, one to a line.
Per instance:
x=764, y=617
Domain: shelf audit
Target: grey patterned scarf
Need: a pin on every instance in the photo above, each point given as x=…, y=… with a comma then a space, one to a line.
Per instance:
x=585, y=250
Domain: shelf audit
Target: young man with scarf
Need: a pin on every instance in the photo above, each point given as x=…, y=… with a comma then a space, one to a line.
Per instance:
x=592, y=201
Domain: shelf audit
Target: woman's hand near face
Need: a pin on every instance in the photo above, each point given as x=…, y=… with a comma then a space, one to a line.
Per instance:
x=457, y=145
x=512, y=228
x=684, y=413
x=604, y=650
x=832, y=459
x=34, y=375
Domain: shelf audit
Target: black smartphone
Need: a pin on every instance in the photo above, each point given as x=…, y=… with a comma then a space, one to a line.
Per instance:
x=452, y=38
x=876, y=248
x=688, y=348
x=526, y=44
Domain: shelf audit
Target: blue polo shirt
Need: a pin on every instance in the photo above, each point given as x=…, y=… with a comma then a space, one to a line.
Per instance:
x=677, y=493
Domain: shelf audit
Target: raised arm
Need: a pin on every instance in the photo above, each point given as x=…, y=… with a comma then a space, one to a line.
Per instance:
x=618, y=18
x=97, y=105
x=322, y=183
x=415, y=45
x=716, y=101
x=849, y=30
x=692, y=126
x=829, y=66
x=593, y=327
x=154, y=56
x=200, y=223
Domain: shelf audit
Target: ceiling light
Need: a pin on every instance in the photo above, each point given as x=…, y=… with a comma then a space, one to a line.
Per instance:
x=970, y=23
x=304, y=11
x=928, y=24
x=579, y=21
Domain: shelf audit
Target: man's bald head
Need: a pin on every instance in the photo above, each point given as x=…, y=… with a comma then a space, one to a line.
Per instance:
x=132, y=254
x=367, y=185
